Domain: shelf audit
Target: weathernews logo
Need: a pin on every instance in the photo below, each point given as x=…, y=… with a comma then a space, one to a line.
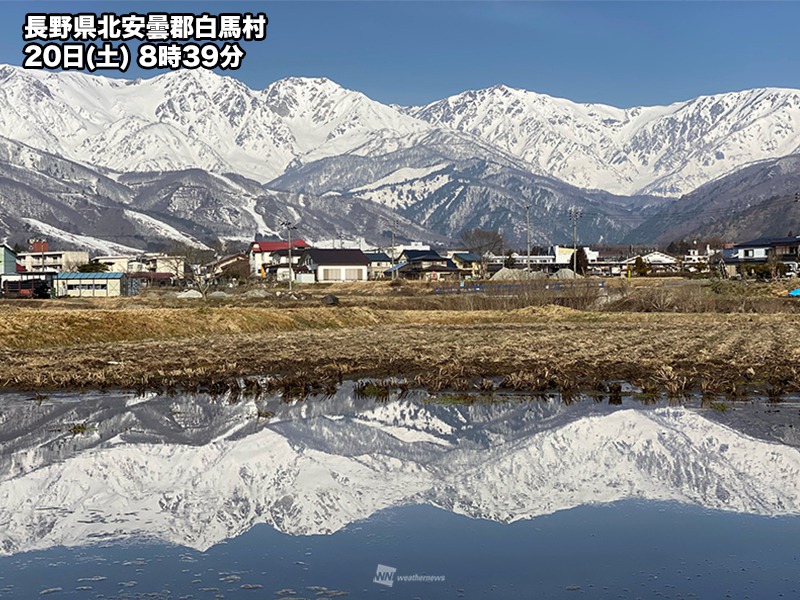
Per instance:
x=386, y=576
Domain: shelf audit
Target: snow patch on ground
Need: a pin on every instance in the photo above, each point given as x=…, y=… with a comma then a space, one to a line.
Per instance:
x=167, y=231
x=83, y=241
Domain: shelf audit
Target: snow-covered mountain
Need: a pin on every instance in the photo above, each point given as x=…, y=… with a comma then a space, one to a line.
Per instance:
x=189, y=119
x=450, y=182
x=663, y=150
x=197, y=119
x=75, y=205
x=473, y=159
x=195, y=471
x=759, y=200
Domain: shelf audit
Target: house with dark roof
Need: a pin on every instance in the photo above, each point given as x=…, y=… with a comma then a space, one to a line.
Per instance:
x=378, y=263
x=261, y=254
x=784, y=251
x=424, y=264
x=469, y=263
x=329, y=265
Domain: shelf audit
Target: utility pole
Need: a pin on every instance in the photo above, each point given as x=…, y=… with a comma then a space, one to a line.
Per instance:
x=528, y=224
x=394, y=224
x=289, y=226
x=575, y=213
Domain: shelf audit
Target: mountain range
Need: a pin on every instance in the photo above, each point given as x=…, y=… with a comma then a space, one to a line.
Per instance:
x=192, y=156
x=194, y=471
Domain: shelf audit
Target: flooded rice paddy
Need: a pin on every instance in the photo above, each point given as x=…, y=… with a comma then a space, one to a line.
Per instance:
x=398, y=494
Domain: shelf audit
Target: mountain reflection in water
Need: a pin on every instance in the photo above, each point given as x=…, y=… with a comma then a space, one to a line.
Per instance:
x=195, y=471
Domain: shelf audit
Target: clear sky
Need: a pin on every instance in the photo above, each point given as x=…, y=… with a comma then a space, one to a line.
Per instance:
x=619, y=53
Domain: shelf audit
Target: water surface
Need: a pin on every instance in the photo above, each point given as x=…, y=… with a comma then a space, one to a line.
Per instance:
x=119, y=496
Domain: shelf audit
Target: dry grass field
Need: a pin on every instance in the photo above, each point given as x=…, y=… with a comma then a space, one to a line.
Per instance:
x=157, y=344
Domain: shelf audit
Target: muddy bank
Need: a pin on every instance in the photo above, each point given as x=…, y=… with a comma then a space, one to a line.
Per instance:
x=530, y=349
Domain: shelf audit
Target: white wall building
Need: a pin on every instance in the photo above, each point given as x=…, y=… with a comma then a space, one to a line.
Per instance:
x=52, y=260
x=336, y=265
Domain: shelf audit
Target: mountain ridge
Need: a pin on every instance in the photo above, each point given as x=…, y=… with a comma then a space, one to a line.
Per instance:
x=474, y=159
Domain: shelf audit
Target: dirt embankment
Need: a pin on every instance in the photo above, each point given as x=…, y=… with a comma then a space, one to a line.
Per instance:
x=528, y=349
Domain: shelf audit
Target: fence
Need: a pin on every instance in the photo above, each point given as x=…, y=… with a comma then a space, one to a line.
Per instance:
x=516, y=289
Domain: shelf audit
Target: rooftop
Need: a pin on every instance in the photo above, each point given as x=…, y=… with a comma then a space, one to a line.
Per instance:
x=90, y=275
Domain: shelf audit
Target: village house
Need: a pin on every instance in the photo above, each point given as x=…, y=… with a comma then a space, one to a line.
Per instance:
x=261, y=254
x=117, y=263
x=229, y=268
x=657, y=262
x=427, y=265
x=146, y=262
x=761, y=252
x=468, y=263
x=379, y=262
x=279, y=270
x=696, y=260
x=754, y=252
x=329, y=265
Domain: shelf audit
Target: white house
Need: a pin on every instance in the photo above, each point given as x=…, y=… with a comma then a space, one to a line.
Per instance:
x=261, y=254
x=336, y=265
x=378, y=263
x=657, y=261
x=116, y=263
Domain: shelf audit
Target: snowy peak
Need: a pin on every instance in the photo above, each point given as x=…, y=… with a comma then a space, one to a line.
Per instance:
x=666, y=150
x=438, y=164
x=219, y=124
x=188, y=119
x=319, y=111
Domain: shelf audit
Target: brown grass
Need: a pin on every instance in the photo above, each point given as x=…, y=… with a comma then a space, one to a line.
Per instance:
x=40, y=328
x=535, y=349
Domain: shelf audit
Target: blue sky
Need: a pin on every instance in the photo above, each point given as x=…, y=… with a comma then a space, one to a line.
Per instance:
x=619, y=53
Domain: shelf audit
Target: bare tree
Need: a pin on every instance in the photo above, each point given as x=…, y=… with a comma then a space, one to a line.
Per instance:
x=483, y=242
x=190, y=265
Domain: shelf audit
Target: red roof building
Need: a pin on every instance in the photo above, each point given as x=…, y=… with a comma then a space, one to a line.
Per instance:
x=261, y=254
x=270, y=247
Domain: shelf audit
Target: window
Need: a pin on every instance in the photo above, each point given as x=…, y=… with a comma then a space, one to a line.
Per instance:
x=352, y=274
x=331, y=274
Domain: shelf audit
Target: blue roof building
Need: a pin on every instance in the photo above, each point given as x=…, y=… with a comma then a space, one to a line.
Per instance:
x=91, y=285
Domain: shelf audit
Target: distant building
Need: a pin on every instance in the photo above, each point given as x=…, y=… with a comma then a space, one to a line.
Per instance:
x=758, y=252
x=697, y=260
x=468, y=263
x=42, y=259
x=260, y=254
x=658, y=262
x=169, y=267
x=336, y=265
x=562, y=256
x=8, y=260
x=91, y=285
x=423, y=264
x=116, y=263
x=378, y=263
x=233, y=266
